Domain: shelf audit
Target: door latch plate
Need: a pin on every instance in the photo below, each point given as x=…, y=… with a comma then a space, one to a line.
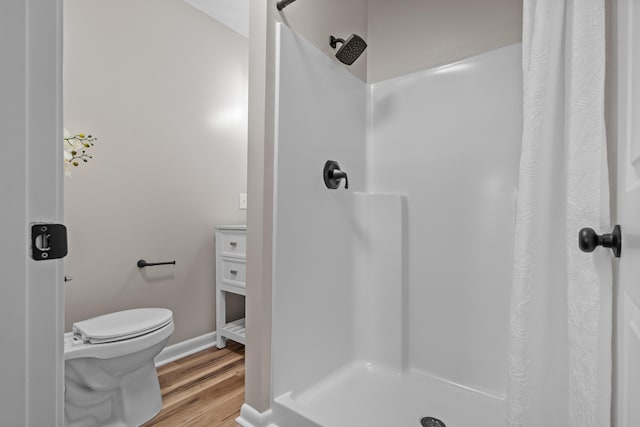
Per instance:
x=48, y=241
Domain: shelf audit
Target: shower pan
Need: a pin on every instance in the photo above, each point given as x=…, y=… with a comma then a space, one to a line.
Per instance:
x=396, y=291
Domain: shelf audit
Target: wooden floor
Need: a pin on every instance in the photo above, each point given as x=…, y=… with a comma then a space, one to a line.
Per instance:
x=202, y=390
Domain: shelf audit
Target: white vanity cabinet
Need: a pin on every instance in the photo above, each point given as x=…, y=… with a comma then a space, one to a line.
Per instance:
x=231, y=263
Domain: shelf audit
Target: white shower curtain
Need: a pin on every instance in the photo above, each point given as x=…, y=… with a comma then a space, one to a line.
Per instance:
x=559, y=360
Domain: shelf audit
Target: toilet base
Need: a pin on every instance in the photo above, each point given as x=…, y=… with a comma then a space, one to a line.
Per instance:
x=134, y=400
x=140, y=395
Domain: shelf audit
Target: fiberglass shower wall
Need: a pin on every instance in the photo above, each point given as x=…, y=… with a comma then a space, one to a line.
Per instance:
x=447, y=140
x=321, y=116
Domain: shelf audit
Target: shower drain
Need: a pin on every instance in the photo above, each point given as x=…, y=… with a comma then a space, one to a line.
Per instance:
x=431, y=422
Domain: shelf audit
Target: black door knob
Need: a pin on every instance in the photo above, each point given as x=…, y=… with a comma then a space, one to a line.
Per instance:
x=589, y=240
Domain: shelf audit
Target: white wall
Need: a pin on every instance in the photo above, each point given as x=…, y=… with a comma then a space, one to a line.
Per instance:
x=380, y=282
x=164, y=88
x=321, y=116
x=314, y=20
x=449, y=138
x=31, y=375
x=412, y=35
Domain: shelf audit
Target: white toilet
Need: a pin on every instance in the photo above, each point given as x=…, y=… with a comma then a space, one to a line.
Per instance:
x=110, y=376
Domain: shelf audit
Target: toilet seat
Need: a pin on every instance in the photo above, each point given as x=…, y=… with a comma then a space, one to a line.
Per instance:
x=122, y=325
x=110, y=336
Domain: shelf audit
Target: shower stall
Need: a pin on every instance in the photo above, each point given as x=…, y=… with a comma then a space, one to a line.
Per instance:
x=391, y=297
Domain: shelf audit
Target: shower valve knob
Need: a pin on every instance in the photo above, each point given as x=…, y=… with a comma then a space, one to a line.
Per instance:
x=333, y=175
x=589, y=240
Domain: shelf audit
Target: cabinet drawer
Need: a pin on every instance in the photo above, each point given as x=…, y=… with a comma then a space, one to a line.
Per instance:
x=233, y=243
x=234, y=272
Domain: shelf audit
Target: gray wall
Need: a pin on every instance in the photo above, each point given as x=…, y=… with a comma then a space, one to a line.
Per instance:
x=411, y=35
x=164, y=88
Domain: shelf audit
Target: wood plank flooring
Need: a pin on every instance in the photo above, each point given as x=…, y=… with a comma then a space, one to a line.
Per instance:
x=202, y=390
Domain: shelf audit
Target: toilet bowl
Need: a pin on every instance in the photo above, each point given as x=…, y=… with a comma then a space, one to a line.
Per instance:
x=110, y=376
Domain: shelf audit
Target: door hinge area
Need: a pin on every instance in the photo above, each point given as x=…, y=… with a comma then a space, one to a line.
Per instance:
x=48, y=241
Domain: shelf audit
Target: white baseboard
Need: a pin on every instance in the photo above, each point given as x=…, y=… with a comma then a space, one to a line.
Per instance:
x=249, y=417
x=185, y=348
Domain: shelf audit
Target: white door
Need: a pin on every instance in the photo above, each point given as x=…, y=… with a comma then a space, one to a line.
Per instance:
x=31, y=294
x=627, y=297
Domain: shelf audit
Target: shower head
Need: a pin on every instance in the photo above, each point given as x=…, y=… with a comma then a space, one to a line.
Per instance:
x=350, y=49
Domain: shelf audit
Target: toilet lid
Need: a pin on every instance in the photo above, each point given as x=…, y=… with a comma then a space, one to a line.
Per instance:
x=122, y=325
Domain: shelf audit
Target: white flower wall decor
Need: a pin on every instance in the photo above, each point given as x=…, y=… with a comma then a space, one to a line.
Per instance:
x=76, y=148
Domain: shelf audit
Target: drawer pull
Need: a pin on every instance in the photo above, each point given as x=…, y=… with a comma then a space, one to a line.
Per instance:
x=234, y=244
x=234, y=272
